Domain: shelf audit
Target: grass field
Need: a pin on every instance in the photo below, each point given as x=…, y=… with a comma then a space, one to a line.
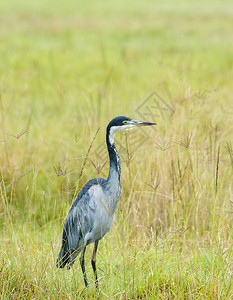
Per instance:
x=66, y=69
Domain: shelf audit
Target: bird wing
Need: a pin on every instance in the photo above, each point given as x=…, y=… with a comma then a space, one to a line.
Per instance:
x=79, y=220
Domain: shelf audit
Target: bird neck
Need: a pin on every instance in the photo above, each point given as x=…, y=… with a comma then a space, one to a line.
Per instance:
x=113, y=185
x=114, y=175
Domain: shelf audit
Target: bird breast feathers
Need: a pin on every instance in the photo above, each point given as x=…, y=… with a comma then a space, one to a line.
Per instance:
x=95, y=194
x=98, y=201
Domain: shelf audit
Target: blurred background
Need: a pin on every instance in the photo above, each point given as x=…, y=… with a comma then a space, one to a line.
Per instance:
x=66, y=69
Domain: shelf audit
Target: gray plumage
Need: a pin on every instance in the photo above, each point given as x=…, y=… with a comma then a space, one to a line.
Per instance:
x=92, y=213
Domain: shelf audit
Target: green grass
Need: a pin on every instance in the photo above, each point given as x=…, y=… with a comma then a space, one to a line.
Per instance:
x=66, y=69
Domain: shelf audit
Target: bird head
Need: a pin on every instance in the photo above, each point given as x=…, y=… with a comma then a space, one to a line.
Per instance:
x=122, y=123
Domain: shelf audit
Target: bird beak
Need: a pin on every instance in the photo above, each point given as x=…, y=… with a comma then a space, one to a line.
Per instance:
x=142, y=123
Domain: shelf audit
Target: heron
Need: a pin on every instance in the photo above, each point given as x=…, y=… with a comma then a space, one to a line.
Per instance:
x=91, y=215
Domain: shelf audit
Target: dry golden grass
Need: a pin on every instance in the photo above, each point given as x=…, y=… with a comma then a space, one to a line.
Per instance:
x=66, y=70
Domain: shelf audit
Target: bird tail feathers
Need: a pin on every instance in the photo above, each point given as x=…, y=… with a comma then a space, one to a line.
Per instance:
x=63, y=258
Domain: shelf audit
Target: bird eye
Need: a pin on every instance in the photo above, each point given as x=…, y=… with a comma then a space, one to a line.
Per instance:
x=125, y=122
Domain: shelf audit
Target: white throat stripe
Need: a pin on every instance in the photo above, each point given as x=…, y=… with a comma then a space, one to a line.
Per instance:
x=115, y=129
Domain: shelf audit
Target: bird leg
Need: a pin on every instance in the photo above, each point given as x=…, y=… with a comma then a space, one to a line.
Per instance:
x=93, y=262
x=83, y=265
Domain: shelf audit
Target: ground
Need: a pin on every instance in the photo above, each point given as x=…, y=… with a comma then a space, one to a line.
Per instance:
x=67, y=68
